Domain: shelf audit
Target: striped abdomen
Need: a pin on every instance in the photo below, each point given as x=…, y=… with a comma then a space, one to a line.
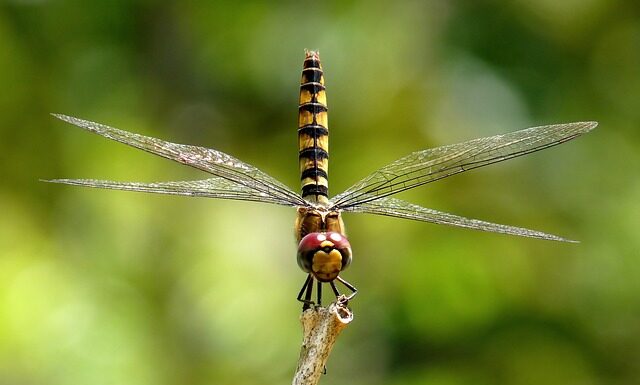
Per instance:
x=313, y=131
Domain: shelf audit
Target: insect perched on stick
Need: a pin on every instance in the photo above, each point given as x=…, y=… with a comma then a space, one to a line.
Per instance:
x=323, y=248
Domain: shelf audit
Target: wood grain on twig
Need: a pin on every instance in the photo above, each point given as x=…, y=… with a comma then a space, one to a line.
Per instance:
x=320, y=327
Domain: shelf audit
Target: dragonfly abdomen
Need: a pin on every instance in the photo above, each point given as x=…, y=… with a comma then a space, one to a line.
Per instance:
x=313, y=132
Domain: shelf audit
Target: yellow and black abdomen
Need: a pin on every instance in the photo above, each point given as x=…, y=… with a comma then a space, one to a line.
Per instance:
x=313, y=132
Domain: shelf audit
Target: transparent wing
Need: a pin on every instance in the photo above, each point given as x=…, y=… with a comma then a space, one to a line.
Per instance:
x=397, y=208
x=210, y=188
x=430, y=165
x=243, y=179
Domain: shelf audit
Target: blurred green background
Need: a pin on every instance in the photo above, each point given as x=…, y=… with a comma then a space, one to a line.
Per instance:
x=106, y=287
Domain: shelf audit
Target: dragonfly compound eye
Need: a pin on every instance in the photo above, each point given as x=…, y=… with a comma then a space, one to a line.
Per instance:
x=324, y=255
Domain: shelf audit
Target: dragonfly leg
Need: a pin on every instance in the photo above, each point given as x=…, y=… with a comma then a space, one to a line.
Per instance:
x=335, y=289
x=349, y=286
x=319, y=293
x=306, y=291
x=307, y=298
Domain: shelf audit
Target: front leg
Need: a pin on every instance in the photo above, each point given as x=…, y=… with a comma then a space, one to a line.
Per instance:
x=306, y=290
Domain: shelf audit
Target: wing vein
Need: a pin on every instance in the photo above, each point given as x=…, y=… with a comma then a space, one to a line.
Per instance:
x=427, y=166
x=254, y=182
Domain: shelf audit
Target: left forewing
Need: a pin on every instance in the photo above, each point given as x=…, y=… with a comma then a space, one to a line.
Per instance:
x=228, y=171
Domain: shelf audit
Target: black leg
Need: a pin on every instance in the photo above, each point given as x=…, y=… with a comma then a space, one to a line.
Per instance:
x=349, y=286
x=309, y=289
x=303, y=288
x=319, y=293
x=307, y=298
x=306, y=289
x=335, y=289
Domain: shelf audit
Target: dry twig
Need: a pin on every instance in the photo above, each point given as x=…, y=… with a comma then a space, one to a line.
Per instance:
x=320, y=327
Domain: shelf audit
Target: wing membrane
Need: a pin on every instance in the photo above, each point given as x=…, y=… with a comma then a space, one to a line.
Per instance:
x=400, y=209
x=243, y=180
x=426, y=166
x=210, y=188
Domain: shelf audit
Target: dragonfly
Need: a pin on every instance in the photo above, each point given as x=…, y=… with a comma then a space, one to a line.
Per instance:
x=324, y=250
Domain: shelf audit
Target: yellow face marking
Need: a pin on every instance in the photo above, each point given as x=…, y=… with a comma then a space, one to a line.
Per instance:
x=305, y=96
x=325, y=243
x=326, y=266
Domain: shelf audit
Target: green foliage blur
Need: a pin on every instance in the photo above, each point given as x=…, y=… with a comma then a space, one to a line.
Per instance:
x=107, y=287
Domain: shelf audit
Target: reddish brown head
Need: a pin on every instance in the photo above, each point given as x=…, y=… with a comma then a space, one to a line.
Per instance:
x=324, y=255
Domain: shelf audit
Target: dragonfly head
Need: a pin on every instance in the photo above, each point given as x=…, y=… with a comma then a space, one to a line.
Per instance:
x=324, y=255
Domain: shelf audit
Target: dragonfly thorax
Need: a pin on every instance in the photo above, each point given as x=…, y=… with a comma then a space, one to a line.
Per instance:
x=317, y=220
x=324, y=255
